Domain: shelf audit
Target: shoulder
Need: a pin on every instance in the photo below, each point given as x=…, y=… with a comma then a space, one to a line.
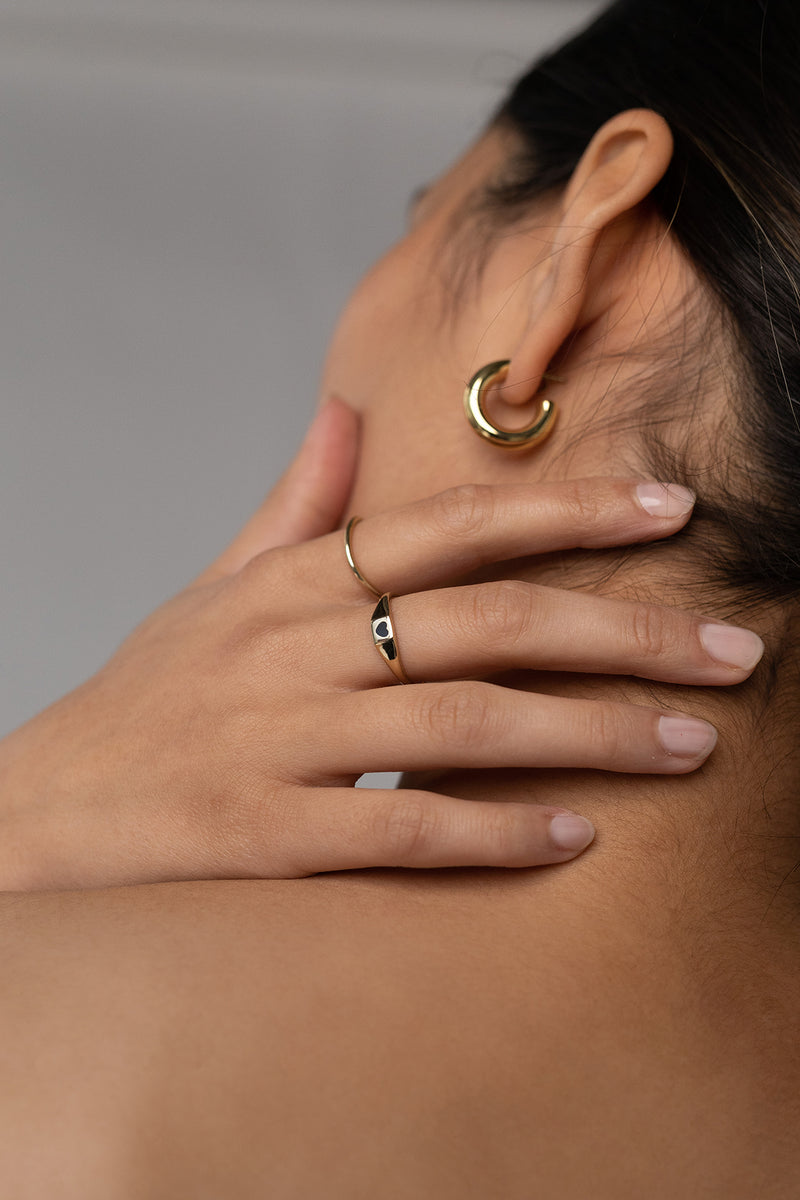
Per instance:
x=407, y=1033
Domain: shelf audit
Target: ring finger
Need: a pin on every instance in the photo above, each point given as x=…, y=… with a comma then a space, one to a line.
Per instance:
x=480, y=629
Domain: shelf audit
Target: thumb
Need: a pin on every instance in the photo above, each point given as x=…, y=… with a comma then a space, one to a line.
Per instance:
x=309, y=498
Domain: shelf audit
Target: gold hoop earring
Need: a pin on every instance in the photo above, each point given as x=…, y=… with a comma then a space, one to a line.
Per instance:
x=509, y=439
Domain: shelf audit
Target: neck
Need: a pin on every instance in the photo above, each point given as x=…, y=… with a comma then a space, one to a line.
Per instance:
x=717, y=849
x=725, y=838
x=699, y=868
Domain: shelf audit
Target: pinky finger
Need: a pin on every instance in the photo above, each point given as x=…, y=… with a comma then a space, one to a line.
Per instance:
x=365, y=827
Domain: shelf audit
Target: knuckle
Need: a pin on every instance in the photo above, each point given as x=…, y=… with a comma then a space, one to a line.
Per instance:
x=585, y=503
x=503, y=611
x=464, y=511
x=457, y=714
x=404, y=828
x=648, y=630
x=254, y=830
x=261, y=571
x=500, y=834
x=254, y=610
x=605, y=731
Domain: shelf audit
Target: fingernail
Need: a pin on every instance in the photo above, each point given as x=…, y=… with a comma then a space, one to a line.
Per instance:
x=686, y=737
x=570, y=832
x=665, y=499
x=733, y=646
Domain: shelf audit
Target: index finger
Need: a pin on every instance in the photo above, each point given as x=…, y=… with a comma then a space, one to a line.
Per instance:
x=435, y=540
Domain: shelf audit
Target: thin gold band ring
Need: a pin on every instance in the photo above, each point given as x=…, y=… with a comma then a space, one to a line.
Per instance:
x=351, y=562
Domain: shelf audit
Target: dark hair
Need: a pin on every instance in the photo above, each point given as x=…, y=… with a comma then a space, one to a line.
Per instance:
x=725, y=75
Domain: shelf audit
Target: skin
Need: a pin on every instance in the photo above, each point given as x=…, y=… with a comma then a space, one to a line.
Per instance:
x=623, y=1024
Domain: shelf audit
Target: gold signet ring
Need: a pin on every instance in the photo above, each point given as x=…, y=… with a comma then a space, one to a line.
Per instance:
x=384, y=638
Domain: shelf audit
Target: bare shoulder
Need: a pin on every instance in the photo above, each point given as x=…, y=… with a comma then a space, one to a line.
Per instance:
x=452, y=1033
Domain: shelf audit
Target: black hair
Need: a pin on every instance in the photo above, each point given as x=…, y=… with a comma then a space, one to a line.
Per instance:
x=725, y=75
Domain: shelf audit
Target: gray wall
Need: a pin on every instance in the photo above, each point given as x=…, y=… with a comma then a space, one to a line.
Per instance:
x=189, y=189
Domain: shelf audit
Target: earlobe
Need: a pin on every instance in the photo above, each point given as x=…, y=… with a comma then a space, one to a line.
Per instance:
x=622, y=164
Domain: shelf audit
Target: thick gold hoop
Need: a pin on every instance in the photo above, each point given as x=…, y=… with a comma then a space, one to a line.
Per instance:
x=509, y=439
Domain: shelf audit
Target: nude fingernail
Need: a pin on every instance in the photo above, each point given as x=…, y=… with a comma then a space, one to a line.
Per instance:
x=570, y=832
x=686, y=737
x=665, y=499
x=735, y=647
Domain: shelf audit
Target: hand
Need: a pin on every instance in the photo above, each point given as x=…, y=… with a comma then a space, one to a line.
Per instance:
x=225, y=736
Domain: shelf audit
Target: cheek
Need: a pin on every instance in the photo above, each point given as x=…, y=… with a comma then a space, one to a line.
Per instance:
x=387, y=360
x=370, y=333
x=418, y=442
x=403, y=366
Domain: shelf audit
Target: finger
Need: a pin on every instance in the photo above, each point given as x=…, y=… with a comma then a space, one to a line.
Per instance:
x=481, y=629
x=472, y=724
x=349, y=828
x=434, y=541
x=309, y=498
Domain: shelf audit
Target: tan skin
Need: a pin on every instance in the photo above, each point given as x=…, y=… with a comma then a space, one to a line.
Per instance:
x=624, y=1024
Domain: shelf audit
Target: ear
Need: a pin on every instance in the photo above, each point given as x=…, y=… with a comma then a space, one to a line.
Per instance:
x=622, y=164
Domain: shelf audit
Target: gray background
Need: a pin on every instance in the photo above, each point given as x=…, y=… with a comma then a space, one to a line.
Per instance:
x=188, y=191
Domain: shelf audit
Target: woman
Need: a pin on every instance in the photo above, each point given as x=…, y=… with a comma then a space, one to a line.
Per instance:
x=624, y=1025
